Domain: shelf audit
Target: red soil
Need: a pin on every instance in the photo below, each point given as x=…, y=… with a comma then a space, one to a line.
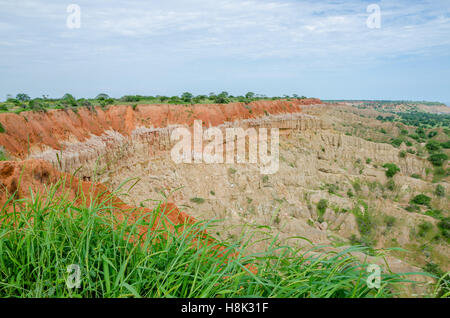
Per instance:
x=19, y=178
x=28, y=130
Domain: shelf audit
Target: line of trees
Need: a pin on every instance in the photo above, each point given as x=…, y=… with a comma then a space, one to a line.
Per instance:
x=23, y=101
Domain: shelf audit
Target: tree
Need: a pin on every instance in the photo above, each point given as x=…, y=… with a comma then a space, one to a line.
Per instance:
x=23, y=97
x=187, y=97
x=68, y=99
x=102, y=96
x=250, y=95
x=222, y=98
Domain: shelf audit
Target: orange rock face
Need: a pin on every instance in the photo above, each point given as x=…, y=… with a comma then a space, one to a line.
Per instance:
x=28, y=130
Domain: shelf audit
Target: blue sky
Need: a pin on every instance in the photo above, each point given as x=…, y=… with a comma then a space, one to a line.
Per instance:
x=274, y=47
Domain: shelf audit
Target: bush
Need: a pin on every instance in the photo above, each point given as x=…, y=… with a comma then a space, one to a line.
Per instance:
x=396, y=142
x=356, y=185
x=424, y=228
x=437, y=214
x=390, y=221
x=198, y=200
x=446, y=145
x=432, y=134
x=391, y=185
x=438, y=159
x=392, y=169
x=421, y=199
x=322, y=206
x=433, y=145
x=440, y=190
x=402, y=154
x=444, y=228
x=3, y=156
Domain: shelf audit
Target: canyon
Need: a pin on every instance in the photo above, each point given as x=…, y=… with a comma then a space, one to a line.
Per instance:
x=125, y=150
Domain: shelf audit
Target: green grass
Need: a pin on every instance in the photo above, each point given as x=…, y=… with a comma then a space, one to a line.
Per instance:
x=41, y=236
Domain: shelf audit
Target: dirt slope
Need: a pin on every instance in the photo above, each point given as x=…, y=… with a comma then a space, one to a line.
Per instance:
x=22, y=178
x=29, y=131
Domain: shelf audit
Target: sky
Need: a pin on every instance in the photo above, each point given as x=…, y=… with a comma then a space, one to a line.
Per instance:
x=323, y=49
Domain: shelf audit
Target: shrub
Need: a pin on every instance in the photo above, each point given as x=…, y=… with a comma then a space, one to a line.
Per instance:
x=357, y=185
x=437, y=214
x=391, y=185
x=444, y=228
x=332, y=188
x=2, y=129
x=389, y=220
x=392, y=169
x=322, y=206
x=402, y=154
x=415, y=176
x=412, y=208
x=198, y=200
x=446, y=145
x=433, y=145
x=438, y=159
x=421, y=199
x=396, y=142
x=424, y=228
x=432, y=134
x=440, y=190
x=3, y=156
x=365, y=221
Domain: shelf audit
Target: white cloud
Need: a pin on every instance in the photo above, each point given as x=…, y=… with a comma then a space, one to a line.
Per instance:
x=233, y=28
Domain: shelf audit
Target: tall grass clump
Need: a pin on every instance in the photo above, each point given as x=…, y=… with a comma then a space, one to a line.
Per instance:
x=41, y=237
